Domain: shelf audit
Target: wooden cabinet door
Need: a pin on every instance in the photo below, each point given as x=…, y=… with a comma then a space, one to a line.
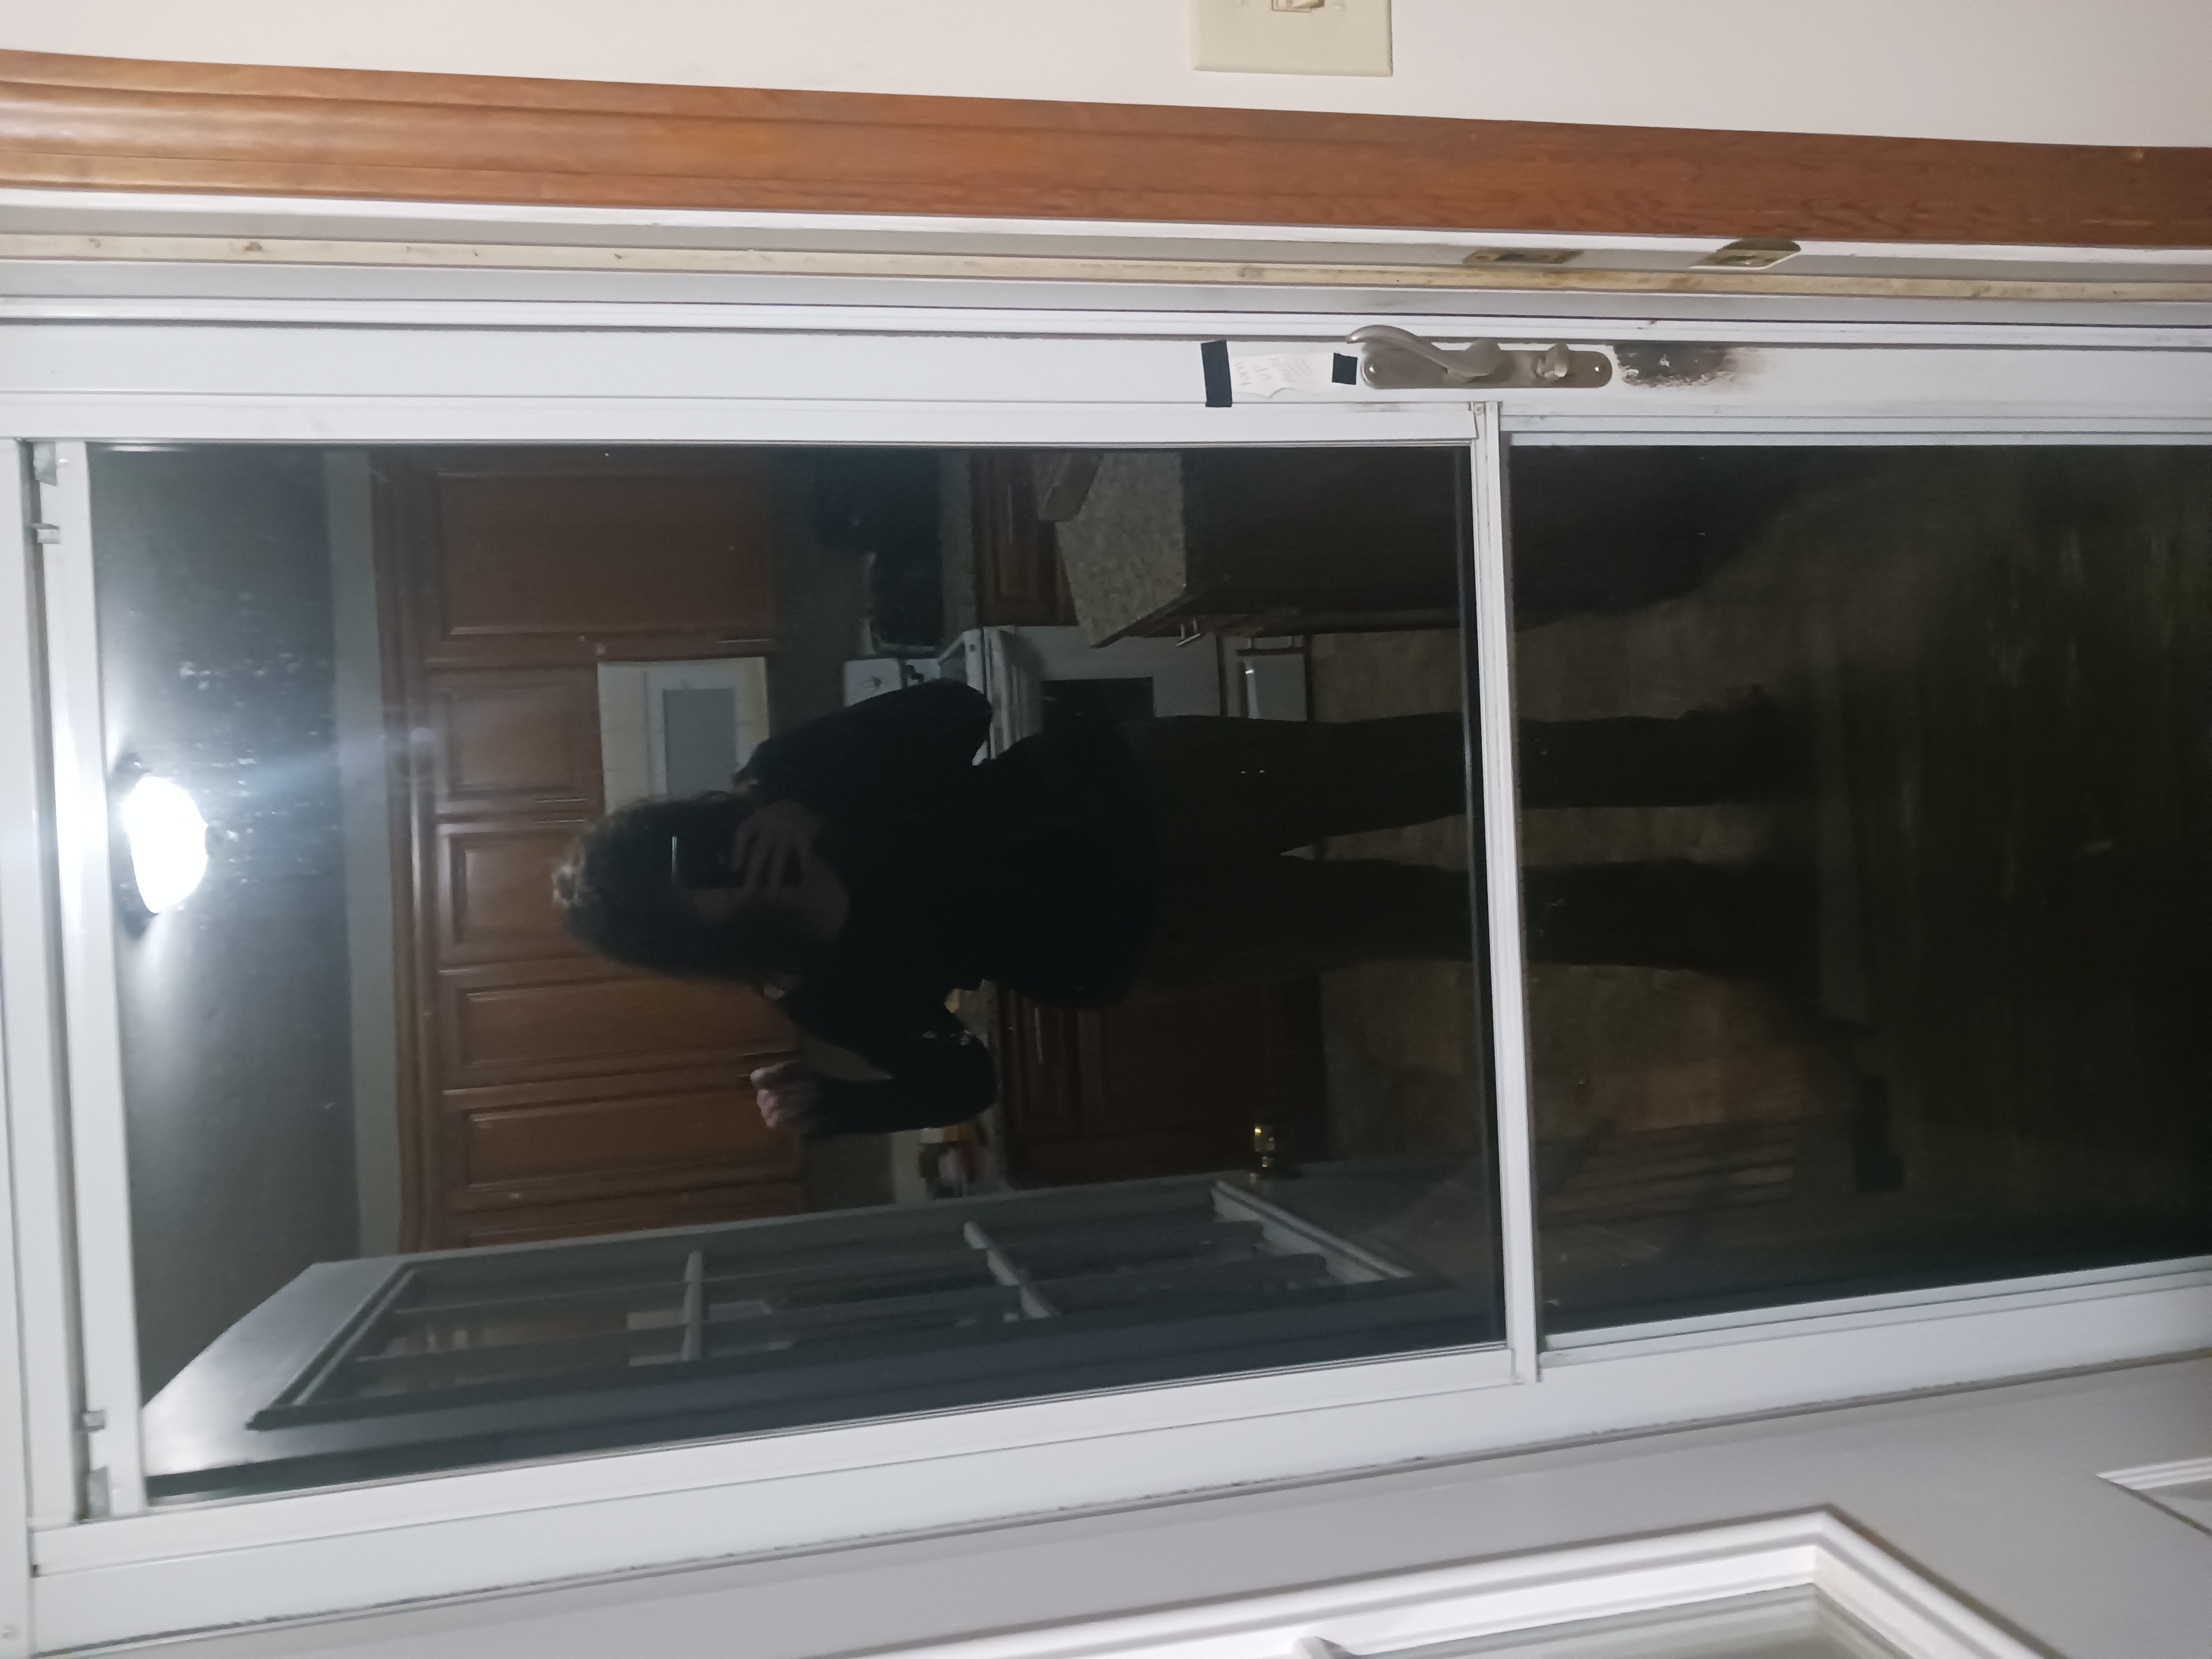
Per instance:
x=1170, y=1086
x=512, y=742
x=493, y=880
x=1301, y=542
x=675, y=1147
x=586, y=1019
x=1019, y=578
x=1267, y=542
x=544, y=556
x=556, y=1094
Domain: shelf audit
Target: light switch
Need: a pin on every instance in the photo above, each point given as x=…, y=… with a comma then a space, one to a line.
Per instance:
x=1292, y=37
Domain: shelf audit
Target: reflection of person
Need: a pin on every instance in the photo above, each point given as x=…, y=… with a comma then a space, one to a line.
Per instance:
x=862, y=868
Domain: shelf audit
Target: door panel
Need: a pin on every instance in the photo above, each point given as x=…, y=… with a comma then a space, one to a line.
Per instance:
x=1040, y=1063
x=504, y=1026
x=588, y=556
x=496, y=902
x=614, y=1141
x=1166, y=1086
x=514, y=742
x=1170, y=1060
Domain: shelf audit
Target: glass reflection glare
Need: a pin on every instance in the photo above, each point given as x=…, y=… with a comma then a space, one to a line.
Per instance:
x=168, y=842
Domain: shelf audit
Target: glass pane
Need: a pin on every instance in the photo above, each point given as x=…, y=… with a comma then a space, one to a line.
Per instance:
x=1867, y=831
x=1057, y=971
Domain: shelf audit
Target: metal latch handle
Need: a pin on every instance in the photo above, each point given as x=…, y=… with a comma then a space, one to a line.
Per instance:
x=1476, y=362
x=1392, y=360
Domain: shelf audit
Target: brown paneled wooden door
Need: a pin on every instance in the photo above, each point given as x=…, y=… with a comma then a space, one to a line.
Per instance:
x=1169, y=1085
x=555, y=1094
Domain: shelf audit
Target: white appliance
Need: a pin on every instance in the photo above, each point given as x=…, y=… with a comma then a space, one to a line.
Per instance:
x=678, y=728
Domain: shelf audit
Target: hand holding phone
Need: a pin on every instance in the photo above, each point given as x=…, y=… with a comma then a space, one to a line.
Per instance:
x=788, y=1094
x=774, y=848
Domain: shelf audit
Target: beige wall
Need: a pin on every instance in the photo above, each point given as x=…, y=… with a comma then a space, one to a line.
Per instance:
x=2085, y=71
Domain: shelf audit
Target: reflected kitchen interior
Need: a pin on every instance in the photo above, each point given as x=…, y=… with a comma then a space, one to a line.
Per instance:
x=363, y=1058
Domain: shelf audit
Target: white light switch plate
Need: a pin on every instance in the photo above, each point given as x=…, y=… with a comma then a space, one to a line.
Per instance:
x=1266, y=37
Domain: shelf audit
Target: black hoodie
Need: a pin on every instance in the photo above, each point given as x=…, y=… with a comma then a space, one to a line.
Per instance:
x=1034, y=870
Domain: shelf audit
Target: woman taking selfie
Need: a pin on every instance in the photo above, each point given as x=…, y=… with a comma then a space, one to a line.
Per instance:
x=863, y=867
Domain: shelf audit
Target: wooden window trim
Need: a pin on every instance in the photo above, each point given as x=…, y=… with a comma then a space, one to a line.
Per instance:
x=128, y=123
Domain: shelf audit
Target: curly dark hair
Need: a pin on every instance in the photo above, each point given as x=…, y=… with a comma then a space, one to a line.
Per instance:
x=616, y=893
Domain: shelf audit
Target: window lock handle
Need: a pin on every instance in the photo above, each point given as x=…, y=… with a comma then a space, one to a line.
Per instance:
x=1478, y=361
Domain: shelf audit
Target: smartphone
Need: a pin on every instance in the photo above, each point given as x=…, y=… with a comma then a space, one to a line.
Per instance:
x=697, y=860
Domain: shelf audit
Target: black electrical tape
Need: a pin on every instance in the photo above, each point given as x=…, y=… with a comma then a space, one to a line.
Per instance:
x=1343, y=370
x=1213, y=355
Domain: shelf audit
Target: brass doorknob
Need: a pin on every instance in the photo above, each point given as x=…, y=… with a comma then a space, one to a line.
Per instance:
x=1271, y=1154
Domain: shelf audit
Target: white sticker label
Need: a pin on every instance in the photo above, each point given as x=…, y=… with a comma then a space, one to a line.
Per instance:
x=1264, y=373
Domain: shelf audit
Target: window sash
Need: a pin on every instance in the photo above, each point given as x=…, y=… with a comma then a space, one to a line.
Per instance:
x=329, y=1550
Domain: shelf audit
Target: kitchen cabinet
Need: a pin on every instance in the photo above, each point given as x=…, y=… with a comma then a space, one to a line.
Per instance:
x=1263, y=543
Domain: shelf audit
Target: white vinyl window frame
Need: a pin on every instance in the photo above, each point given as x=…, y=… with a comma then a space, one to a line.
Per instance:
x=1032, y=378
x=1413, y=1615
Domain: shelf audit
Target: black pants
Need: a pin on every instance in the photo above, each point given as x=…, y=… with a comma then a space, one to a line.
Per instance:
x=1232, y=798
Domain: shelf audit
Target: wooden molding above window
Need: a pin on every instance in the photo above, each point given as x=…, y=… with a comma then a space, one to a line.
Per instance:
x=125, y=123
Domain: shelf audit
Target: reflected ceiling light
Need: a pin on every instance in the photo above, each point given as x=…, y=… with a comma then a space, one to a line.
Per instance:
x=168, y=842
